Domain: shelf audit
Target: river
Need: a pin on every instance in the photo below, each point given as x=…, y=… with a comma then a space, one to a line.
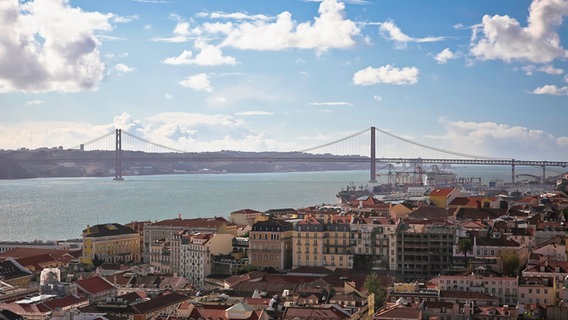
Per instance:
x=60, y=208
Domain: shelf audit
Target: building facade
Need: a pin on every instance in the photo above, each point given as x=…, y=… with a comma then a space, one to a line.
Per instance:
x=270, y=244
x=423, y=250
x=111, y=243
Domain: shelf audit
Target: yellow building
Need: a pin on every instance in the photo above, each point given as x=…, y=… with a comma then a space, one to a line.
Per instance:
x=270, y=244
x=442, y=197
x=320, y=244
x=111, y=243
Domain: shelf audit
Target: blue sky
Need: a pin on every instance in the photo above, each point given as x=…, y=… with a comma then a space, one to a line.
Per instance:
x=478, y=77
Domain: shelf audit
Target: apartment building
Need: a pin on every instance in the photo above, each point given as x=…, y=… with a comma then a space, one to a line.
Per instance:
x=374, y=242
x=424, y=249
x=324, y=242
x=539, y=290
x=196, y=254
x=270, y=244
x=505, y=288
x=164, y=230
x=111, y=243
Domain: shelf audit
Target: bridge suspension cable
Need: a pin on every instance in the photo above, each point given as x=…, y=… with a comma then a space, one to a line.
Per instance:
x=95, y=140
x=460, y=154
x=152, y=143
x=336, y=141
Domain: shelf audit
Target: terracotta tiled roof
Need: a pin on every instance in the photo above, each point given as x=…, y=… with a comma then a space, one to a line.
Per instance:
x=94, y=285
x=109, y=229
x=496, y=242
x=66, y=302
x=441, y=192
x=158, y=303
x=446, y=294
x=314, y=313
x=548, y=266
x=430, y=213
x=245, y=211
x=211, y=312
x=23, y=252
x=197, y=222
x=10, y=269
x=310, y=220
x=399, y=312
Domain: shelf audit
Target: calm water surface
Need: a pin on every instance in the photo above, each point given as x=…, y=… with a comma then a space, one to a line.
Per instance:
x=59, y=208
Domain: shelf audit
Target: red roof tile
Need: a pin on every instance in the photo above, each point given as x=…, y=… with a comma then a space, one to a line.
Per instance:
x=94, y=285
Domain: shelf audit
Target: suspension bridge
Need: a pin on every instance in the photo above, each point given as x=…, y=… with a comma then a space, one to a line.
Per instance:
x=361, y=148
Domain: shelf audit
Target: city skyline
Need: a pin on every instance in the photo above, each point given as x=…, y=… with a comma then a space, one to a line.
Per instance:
x=486, y=78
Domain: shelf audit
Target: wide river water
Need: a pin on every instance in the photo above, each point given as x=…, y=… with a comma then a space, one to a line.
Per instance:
x=60, y=208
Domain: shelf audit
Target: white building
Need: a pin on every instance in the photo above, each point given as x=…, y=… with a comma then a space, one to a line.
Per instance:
x=196, y=252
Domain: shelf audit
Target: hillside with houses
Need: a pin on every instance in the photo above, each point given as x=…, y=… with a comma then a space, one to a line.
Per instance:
x=444, y=255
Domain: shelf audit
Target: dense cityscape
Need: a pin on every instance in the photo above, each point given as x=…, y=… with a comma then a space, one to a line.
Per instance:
x=283, y=160
x=435, y=251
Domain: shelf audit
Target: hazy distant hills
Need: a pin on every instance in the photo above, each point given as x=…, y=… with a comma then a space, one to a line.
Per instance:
x=20, y=164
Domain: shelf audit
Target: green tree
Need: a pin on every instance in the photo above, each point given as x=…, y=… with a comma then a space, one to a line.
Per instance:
x=465, y=245
x=511, y=263
x=373, y=285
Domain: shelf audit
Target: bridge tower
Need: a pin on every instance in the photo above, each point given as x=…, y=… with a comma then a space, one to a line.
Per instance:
x=118, y=155
x=373, y=174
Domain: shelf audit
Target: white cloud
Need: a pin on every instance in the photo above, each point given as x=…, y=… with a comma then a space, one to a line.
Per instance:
x=192, y=132
x=444, y=56
x=551, y=89
x=254, y=113
x=168, y=96
x=386, y=74
x=33, y=102
x=503, y=37
x=123, y=69
x=47, y=46
x=551, y=70
x=234, y=16
x=391, y=32
x=209, y=55
x=181, y=33
x=502, y=140
x=328, y=31
x=332, y=104
x=198, y=82
x=377, y=98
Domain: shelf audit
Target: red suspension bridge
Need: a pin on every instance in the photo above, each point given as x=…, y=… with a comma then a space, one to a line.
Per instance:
x=394, y=150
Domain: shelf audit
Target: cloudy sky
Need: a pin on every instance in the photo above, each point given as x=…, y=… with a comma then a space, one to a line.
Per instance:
x=478, y=77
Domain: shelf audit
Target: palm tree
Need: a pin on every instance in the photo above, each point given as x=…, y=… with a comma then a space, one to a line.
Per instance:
x=465, y=245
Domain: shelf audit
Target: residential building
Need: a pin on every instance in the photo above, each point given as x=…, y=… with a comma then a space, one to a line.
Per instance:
x=161, y=246
x=197, y=252
x=245, y=216
x=270, y=244
x=423, y=249
x=317, y=243
x=374, y=242
x=442, y=197
x=14, y=274
x=505, y=288
x=539, y=290
x=489, y=251
x=111, y=243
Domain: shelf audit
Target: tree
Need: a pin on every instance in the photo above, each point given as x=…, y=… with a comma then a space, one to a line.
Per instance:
x=511, y=263
x=373, y=285
x=465, y=245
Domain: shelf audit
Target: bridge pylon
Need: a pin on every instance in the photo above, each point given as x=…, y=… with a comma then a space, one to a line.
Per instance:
x=373, y=173
x=118, y=155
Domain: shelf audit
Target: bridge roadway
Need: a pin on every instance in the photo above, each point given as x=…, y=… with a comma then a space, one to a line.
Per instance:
x=283, y=157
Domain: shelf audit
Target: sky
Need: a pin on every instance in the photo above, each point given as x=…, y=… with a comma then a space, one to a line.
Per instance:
x=477, y=77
